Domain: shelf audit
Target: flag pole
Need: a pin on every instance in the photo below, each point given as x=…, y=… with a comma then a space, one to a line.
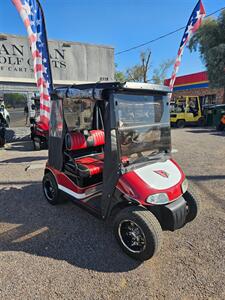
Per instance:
x=47, y=46
x=192, y=26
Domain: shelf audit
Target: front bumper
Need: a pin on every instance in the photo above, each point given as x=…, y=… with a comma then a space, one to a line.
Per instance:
x=173, y=215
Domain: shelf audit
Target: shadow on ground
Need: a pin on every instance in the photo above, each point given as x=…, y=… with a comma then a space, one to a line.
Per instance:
x=210, y=131
x=206, y=177
x=25, y=159
x=12, y=135
x=64, y=232
x=21, y=146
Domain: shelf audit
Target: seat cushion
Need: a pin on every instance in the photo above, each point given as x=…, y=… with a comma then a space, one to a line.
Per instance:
x=98, y=137
x=89, y=166
x=79, y=140
x=92, y=165
x=75, y=141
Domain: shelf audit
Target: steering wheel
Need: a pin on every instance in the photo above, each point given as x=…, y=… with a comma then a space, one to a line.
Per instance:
x=130, y=137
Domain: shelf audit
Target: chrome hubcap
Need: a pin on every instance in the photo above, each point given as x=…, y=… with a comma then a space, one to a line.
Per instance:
x=132, y=236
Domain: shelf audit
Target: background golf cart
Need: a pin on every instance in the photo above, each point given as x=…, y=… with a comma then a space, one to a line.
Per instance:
x=4, y=112
x=39, y=133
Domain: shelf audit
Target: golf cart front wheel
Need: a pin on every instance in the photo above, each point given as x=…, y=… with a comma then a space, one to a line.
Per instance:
x=193, y=206
x=138, y=232
x=50, y=189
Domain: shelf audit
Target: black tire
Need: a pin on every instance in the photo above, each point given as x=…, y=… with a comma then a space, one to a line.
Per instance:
x=7, y=122
x=193, y=206
x=37, y=144
x=201, y=122
x=45, y=144
x=139, y=221
x=180, y=124
x=220, y=127
x=50, y=189
x=2, y=142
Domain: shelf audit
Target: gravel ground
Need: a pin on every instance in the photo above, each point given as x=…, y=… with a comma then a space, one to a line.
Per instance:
x=64, y=253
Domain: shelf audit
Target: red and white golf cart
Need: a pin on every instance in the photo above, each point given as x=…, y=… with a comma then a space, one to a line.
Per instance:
x=109, y=150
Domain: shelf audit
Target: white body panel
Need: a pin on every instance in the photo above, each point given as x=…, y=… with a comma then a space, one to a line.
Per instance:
x=151, y=175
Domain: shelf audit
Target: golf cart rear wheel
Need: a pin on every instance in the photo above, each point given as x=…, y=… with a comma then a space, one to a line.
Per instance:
x=180, y=124
x=37, y=144
x=7, y=122
x=2, y=142
x=138, y=232
x=193, y=206
x=50, y=189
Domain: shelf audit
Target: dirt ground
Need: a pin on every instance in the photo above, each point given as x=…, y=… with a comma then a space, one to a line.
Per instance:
x=64, y=253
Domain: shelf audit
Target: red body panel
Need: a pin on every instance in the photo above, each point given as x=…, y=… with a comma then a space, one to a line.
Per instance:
x=65, y=181
x=129, y=184
x=132, y=185
x=42, y=126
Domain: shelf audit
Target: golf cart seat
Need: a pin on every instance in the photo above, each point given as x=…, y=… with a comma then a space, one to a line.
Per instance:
x=90, y=165
x=83, y=140
x=93, y=165
x=87, y=144
x=90, y=143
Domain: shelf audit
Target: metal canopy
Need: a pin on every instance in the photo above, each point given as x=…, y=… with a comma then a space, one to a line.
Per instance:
x=98, y=91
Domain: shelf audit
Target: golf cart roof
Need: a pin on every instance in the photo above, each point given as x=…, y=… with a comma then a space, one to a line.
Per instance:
x=100, y=90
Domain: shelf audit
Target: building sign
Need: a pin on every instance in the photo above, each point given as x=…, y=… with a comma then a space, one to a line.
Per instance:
x=71, y=62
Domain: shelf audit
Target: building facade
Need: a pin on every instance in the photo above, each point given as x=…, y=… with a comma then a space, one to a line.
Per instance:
x=71, y=62
x=197, y=84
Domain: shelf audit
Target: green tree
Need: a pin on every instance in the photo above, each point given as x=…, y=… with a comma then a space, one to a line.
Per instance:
x=139, y=72
x=209, y=40
x=15, y=100
x=160, y=73
x=119, y=75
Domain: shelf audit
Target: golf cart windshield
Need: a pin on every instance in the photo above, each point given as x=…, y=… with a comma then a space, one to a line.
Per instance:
x=78, y=114
x=143, y=126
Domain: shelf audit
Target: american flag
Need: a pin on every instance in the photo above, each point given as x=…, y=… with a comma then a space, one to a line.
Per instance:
x=192, y=26
x=33, y=18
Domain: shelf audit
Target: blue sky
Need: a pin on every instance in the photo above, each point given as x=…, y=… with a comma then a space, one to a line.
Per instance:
x=118, y=23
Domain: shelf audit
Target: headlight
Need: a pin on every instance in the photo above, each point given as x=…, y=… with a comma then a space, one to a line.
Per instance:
x=184, y=186
x=157, y=199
